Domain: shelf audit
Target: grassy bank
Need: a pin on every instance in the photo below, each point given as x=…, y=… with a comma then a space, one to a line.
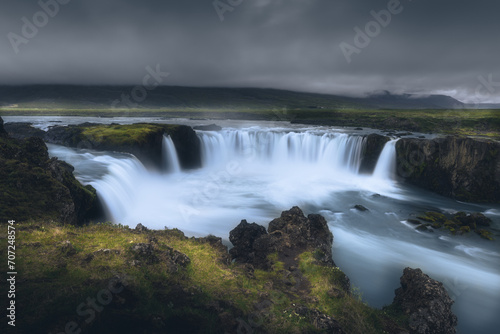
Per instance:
x=61, y=267
x=468, y=122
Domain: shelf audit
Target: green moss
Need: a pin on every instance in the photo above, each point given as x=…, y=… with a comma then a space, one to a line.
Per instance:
x=485, y=234
x=465, y=229
x=433, y=217
x=122, y=135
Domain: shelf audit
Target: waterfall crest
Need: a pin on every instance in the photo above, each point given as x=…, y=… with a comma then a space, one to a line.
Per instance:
x=336, y=150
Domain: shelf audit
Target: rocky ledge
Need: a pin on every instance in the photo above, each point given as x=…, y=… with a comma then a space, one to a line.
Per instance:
x=143, y=140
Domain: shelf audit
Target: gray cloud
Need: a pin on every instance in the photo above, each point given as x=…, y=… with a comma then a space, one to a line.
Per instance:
x=430, y=47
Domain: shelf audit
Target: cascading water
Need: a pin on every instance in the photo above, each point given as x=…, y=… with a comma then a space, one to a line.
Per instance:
x=170, y=159
x=386, y=164
x=255, y=173
x=335, y=150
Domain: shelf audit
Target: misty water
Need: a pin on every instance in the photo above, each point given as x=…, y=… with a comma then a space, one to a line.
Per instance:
x=255, y=170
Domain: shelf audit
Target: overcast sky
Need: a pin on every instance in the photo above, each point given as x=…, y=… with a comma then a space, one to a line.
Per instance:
x=429, y=46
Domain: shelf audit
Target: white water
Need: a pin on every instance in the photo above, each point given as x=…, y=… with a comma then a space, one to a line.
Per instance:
x=386, y=164
x=170, y=159
x=255, y=173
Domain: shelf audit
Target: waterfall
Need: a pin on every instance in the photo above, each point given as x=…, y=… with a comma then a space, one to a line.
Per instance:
x=386, y=164
x=336, y=150
x=170, y=159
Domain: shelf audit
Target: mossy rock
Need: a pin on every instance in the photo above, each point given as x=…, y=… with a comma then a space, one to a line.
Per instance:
x=485, y=234
x=433, y=217
x=465, y=229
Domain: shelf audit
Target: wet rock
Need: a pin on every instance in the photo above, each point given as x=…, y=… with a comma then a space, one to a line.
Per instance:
x=426, y=302
x=413, y=221
x=360, y=208
x=472, y=220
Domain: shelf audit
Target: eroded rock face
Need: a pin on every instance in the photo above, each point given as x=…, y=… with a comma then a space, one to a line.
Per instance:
x=463, y=168
x=426, y=302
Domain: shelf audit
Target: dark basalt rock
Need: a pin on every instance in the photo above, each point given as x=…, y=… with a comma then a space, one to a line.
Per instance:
x=360, y=207
x=472, y=220
x=374, y=144
x=426, y=302
x=37, y=187
x=244, y=236
x=3, y=132
x=23, y=130
x=462, y=168
x=288, y=235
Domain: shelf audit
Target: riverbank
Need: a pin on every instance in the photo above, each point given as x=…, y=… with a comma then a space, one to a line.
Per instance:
x=464, y=122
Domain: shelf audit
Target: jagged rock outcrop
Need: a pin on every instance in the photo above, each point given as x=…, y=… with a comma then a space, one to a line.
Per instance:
x=374, y=144
x=35, y=186
x=426, y=302
x=463, y=168
x=289, y=235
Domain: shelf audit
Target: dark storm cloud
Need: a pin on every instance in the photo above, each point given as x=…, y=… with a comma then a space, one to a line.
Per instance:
x=430, y=46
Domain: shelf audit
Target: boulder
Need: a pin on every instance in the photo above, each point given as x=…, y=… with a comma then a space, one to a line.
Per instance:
x=426, y=303
x=244, y=236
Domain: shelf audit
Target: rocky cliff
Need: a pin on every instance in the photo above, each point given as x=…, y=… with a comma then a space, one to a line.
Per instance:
x=33, y=186
x=463, y=168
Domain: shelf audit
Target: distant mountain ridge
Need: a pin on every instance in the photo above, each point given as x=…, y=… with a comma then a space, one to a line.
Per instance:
x=182, y=98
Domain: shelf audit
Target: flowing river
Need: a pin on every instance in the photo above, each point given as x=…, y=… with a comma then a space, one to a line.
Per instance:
x=256, y=170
